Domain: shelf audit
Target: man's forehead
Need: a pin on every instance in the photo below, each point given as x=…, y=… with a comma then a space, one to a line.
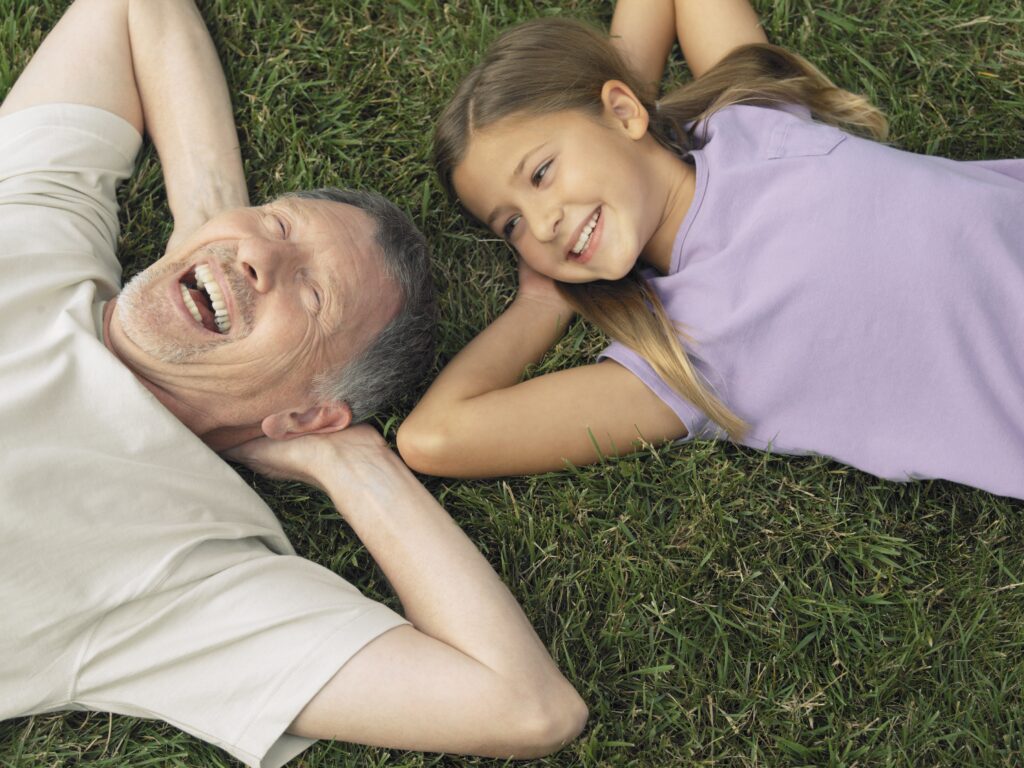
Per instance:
x=317, y=214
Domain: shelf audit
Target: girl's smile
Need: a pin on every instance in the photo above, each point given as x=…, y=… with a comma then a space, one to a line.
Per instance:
x=586, y=243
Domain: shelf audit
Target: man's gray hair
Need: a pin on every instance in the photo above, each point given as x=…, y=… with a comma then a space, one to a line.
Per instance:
x=394, y=363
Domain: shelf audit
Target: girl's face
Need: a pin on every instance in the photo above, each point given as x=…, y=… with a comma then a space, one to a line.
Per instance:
x=575, y=195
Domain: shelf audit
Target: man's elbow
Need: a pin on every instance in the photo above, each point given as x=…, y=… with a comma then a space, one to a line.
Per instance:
x=549, y=723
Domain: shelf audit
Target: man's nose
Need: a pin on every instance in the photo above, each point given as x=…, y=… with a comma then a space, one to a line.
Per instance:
x=262, y=261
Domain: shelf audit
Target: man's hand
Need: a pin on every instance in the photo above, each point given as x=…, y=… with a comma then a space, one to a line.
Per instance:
x=311, y=459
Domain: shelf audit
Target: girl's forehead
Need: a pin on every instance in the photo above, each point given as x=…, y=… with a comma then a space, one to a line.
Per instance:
x=507, y=141
x=523, y=123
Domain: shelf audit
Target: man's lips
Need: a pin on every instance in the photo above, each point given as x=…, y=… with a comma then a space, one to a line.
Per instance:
x=594, y=225
x=204, y=300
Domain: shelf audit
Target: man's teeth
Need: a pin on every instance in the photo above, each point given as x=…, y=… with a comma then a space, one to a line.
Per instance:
x=586, y=233
x=190, y=305
x=205, y=282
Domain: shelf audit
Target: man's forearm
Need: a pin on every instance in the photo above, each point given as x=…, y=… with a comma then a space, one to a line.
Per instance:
x=447, y=588
x=470, y=675
x=187, y=110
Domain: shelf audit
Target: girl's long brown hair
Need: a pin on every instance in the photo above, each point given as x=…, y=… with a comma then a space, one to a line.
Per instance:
x=550, y=65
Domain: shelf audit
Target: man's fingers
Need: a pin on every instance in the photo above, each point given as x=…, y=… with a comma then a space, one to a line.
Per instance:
x=246, y=453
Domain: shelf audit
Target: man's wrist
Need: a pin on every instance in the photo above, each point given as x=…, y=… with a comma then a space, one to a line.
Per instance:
x=348, y=473
x=209, y=196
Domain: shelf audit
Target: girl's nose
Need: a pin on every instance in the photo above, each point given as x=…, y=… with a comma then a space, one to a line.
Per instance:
x=545, y=221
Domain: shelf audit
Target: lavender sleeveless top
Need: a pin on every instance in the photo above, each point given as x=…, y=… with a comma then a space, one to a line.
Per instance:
x=852, y=300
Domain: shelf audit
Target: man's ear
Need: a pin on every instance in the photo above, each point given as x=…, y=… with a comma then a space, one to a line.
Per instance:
x=316, y=420
x=623, y=107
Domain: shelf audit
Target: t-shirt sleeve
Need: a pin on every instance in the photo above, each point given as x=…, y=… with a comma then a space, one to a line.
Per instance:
x=692, y=419
x=232, y=658
x=59, y=169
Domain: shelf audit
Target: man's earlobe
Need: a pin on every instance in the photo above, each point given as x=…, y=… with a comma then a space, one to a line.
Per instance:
x=316, y=420
x=625, y=107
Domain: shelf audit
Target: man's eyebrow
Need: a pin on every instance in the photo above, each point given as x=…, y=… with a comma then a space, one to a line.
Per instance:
x=294, y=206
x=334, y=290
x=518, y=170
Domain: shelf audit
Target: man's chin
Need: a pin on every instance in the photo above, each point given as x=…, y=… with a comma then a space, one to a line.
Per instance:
x=144, y=320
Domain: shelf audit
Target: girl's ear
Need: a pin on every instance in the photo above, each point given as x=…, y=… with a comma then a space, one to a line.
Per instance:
x=623, y=107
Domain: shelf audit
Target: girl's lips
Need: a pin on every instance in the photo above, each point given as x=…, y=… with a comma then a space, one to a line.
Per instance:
x=595, y=238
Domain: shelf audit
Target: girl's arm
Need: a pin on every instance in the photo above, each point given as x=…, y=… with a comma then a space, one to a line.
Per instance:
x=480, y=420
x=644, y=32
x=706, y=29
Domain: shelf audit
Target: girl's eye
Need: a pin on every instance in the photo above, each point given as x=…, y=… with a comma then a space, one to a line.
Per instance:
x=510, y=227
x=540, y=173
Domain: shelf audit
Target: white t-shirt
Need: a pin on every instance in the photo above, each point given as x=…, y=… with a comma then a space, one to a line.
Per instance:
x=140, y=574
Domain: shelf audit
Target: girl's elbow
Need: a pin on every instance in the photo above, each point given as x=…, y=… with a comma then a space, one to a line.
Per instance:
x=424, y=446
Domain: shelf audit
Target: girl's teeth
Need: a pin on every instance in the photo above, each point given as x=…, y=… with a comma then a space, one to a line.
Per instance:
x=205, y=281
x=585, y=234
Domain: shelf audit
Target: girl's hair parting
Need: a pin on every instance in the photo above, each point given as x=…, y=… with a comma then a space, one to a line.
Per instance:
x=550, y=65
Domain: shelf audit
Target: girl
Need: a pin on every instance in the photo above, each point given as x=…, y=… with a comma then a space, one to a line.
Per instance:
x=763, y=274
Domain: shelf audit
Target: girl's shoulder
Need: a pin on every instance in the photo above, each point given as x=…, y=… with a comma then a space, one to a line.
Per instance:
x=737, y=121
x=753, y=132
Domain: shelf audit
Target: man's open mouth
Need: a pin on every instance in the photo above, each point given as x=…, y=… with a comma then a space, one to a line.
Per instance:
x=204, y=299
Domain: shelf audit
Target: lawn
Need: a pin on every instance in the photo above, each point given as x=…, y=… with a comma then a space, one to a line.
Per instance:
x=713, y=605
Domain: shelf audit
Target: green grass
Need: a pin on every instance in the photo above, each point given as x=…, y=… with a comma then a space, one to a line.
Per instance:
x=714, y=606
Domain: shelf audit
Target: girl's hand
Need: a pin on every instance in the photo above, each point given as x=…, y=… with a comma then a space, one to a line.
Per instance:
x=535, y=287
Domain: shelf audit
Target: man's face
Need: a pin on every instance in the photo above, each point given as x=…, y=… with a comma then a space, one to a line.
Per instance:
x=237, y=322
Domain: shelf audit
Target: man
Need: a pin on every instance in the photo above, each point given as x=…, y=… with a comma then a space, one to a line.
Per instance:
x=142, y=576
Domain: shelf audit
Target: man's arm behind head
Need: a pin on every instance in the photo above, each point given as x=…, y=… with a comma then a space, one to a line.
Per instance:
x=154, y=65
x=86, y=59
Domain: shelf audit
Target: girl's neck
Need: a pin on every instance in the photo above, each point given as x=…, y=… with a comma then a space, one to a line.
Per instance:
x=676, y=182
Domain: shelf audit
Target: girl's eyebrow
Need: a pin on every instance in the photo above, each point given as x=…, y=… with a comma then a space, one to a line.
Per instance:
x=518, y=170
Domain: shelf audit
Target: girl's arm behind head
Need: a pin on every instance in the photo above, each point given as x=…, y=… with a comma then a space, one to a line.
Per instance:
x=479, y=419
x=576, y=416
x=707, y=30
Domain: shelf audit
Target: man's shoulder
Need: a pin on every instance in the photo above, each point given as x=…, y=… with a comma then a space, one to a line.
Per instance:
x=59, y=168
